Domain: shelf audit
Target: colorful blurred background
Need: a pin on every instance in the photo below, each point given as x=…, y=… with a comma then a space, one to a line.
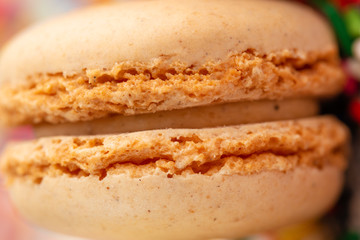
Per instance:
x=343, y=222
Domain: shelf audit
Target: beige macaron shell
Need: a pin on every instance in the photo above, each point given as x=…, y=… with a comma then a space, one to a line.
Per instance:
x=192, y=207
x=98, y=38
x=141, y=57
x=180, y=183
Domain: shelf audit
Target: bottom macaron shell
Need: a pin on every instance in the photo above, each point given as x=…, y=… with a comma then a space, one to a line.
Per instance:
x=192, y=206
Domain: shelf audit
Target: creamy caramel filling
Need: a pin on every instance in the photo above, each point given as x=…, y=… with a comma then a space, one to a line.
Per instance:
x=198, y=117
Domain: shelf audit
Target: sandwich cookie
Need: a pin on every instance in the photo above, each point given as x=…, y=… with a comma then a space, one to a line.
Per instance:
x=174, y=119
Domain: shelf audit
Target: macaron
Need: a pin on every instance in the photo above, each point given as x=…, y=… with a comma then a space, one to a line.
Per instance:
x=174, y=119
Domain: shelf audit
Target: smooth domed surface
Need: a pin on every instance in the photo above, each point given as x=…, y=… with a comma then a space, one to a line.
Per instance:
x=193, y=32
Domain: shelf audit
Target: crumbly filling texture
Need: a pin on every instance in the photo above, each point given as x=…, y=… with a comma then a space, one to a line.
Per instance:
x=130, y=88
x=242, y=149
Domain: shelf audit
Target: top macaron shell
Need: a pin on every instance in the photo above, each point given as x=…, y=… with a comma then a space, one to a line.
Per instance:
x=191, y=32
x=140, y=57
